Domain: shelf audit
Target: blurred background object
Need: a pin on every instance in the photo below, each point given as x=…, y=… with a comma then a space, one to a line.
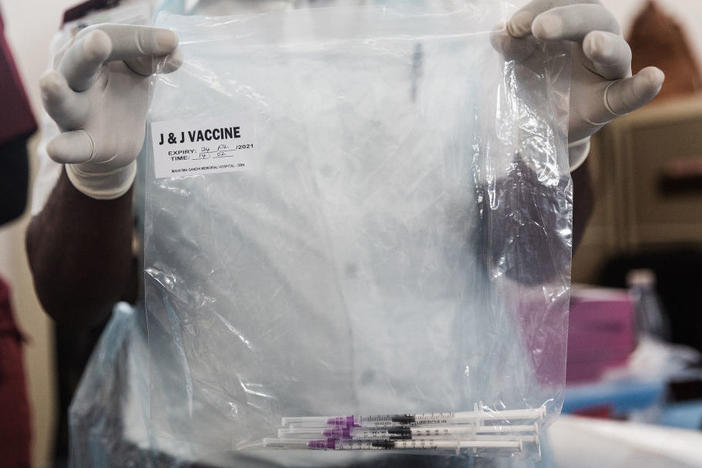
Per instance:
x=620, y=363
x=634, y=348
x=656, y=38
x=601, y=333
x=647, y=168
x=635, y=334
x=648, y=313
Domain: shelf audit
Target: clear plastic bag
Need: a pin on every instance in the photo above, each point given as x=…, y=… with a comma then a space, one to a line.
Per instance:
x=353, y=211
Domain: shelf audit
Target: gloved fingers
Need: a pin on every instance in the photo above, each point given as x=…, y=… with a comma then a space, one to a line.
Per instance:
x=173, y=62
x=573, y=23
x=68, y=108
x=628, y=94
x=82, y=62
x=609, y=53
x=109, y=42
x=149, y=65
x=520, y=25
x=71, y=147
x=130, y=42
x=512, y=48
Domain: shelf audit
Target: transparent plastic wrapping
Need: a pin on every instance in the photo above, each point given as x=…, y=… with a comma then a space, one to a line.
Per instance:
x=354, y=212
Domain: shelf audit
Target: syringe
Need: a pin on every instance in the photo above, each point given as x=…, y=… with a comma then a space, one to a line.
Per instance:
x=421, y=419
x=334, y=444
x=404, y=432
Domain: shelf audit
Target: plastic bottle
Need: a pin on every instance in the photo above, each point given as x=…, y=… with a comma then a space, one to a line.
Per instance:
x=649, y=315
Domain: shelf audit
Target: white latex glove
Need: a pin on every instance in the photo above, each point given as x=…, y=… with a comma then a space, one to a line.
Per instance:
x=98, y=94
x=602, y=87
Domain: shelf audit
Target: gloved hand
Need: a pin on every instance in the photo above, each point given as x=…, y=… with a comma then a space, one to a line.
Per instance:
x=602, y=86
x=98, y=94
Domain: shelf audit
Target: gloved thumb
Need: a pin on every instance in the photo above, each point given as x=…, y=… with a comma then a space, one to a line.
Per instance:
x=627, y=95
x=71, y=147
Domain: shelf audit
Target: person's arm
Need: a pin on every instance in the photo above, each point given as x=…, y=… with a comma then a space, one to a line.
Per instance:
x=583, y=202
x=79, y=251
x=79, y=245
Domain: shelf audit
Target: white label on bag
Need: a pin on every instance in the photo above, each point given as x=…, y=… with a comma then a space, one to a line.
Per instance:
x=184, y=148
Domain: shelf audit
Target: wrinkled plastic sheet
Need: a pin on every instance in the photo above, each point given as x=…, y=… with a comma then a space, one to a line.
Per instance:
x=399, y=242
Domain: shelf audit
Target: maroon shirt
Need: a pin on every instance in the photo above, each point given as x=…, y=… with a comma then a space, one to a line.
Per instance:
x=16, y=122
x=15, y=432
x=16, y=117
x=82, y=9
